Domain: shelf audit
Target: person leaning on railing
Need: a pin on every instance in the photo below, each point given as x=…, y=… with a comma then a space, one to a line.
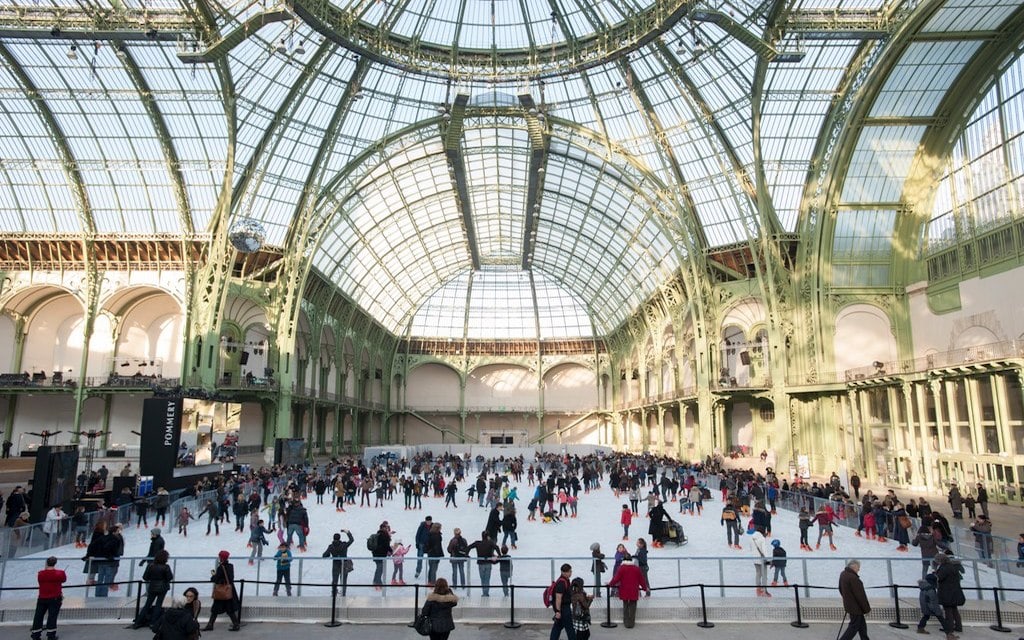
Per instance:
x=51, y=597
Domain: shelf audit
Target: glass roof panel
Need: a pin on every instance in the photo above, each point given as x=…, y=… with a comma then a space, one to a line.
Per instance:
x=971, y=15
x=880, y=163
x=920, y=80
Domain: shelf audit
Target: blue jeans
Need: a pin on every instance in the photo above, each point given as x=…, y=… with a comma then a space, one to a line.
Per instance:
x=485, y=579
x=105, y=573
x=296, y=528
x=458, y=572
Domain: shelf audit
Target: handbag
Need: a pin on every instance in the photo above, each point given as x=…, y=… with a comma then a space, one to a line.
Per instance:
x=423, y=624
x=223, y=591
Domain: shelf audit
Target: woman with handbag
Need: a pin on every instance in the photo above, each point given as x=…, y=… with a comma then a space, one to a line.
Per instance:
x=225, y=598
x=438, y=610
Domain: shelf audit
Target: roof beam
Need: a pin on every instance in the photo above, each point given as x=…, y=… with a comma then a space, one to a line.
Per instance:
x=737, y=31
x=452, y=135
x=539, y=144
x=838, y=24
x=222, y=47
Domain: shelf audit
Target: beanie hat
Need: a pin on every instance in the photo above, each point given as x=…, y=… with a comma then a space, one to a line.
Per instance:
x=223, y=555
x=776, y=543
x=595, y=546
x=155, y=531
x=337, y=536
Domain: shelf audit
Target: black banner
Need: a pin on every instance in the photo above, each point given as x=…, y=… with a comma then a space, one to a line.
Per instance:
x=161, y=436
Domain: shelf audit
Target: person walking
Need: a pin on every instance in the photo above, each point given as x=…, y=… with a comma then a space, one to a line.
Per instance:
x=928, y=601
x=581, y=601
x=731, y=521
x=225, y=599
x=629, y=579
x=561, y=602
x=948, y=574
x=505, y=569
x=438, y=608
x=51, y=596
x=379, y=545
x=855, y=601
x=158, y=577
x=982, y=499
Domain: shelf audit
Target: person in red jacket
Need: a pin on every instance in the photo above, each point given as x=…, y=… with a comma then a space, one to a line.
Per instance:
x=50, y=598
x=629, y=579
x=625, y=520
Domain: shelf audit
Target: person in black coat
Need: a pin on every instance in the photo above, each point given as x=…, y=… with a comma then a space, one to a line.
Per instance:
x=948, y=574
x=339, y=550
x=486, y=552
x=855, y=601
x=101, y=557
x=158, y=577
x=177, y=623
x=224, y=574
x=380, y=551
x=494, y=522
x=438, y=608
x=156, y=545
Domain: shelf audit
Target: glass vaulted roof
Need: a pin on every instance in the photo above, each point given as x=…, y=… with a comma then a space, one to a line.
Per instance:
x=486, y=168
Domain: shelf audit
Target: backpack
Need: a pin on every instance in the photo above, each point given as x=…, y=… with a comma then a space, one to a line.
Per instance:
x=371, y=542
x=549, y=593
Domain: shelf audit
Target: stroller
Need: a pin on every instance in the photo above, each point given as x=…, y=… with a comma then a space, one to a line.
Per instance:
x=672, y=532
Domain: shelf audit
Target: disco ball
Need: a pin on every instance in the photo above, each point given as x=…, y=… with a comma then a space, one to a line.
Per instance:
x=247, y=235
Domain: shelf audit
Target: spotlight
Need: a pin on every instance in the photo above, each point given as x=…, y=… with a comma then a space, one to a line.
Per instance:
x=151, y=34
x=121, y=52
x=73, y=52
x=282, y=47
x=55, y=32
x=301, y=49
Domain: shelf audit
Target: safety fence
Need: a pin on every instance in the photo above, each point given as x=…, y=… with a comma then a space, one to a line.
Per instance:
x=979, y=578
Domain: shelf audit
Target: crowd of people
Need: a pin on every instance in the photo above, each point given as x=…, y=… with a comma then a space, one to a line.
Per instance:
x=273, y=499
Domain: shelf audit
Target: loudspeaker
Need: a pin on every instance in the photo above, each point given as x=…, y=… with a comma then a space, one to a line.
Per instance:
x=244, y=359
x=745, y=357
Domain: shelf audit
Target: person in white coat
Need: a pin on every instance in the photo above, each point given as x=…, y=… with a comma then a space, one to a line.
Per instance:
x=762, y=559
x=54, y=523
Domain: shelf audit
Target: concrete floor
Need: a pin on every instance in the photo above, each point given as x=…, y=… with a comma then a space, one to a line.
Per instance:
x=724, y=631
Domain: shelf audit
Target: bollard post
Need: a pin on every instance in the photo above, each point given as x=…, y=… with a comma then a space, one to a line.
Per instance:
x=415, y=606
x=138, y=606
x=704, y=624
x=241, y=595
x=608, y=624
x=334, y=607
x=897, y=623
x=512, y=624
x=799, y=623
x=998, y=626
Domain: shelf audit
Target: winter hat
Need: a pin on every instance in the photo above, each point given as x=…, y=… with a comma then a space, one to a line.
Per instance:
x=776, y=543
x=223, y=555
x=595, y=547
x=337, y=536
x=155, y=531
